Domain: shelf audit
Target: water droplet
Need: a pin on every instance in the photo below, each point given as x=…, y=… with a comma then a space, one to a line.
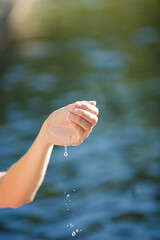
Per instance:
x=68, y=195
x=65, y=151
x=73, y=234
x=71, y=225
x=77, y=230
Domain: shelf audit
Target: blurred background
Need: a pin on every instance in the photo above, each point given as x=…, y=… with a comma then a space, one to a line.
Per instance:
x=55, y=52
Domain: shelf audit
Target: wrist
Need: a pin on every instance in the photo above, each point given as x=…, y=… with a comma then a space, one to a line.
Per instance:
x=43, y=136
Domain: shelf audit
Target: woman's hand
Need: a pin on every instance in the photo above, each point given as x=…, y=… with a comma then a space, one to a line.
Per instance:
x=67, y=126
x=70, y=125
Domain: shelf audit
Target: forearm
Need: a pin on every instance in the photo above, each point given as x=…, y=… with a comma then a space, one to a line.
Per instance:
x=24, y=178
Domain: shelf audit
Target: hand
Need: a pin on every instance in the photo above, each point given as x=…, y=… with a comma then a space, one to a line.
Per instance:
x=70, y=125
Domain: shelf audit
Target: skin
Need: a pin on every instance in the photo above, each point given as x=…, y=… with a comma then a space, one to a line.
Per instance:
x=68, y=126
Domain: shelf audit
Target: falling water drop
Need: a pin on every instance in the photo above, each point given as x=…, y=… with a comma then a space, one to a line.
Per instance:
x=73, y=234
x=65, y=151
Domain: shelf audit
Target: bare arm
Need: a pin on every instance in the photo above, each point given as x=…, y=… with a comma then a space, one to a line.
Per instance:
x=21, y=182
x=67, y=126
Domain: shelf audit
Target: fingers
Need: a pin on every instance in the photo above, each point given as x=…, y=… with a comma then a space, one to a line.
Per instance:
x=86, y=115
x=82, y=116
x=88, y=106
x=81, y=133
x=87, y=126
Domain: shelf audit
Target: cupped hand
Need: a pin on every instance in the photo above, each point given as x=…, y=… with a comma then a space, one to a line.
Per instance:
x=70, y=125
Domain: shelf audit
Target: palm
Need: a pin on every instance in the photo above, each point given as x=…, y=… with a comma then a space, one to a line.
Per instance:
x=60, y=132
x=70, y=125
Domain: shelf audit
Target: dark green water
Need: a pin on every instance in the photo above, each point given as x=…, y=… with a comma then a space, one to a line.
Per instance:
x=102, y=50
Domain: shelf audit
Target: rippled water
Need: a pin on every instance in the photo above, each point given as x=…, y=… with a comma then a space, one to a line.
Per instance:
x=104, y=51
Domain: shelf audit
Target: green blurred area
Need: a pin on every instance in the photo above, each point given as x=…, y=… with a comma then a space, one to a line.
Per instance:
x=130, y=26
x=94, y=47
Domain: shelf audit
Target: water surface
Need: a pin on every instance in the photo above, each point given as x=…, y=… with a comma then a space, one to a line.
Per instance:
x=107, y=51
